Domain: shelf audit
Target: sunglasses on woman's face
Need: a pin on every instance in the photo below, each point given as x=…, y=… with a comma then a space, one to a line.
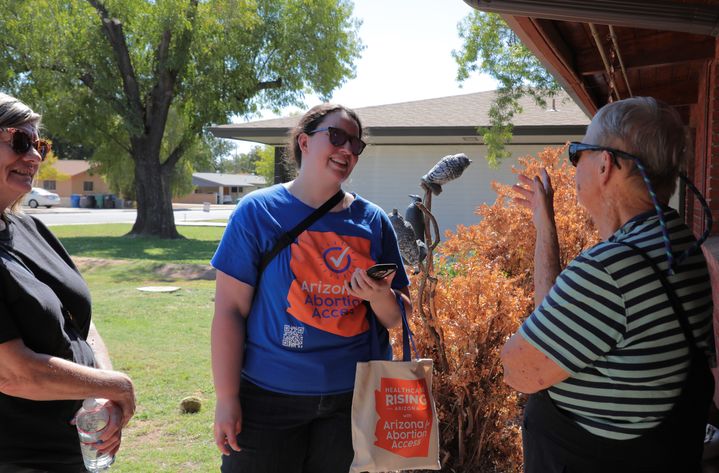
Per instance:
x=576, y=147
x=21, y=142
x=338, y=137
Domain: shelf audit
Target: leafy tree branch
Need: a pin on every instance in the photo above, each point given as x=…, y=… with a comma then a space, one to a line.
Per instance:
x=491, y=47
x=135, y=83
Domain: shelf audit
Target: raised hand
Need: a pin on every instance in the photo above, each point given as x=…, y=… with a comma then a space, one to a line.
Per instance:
x=537, y=195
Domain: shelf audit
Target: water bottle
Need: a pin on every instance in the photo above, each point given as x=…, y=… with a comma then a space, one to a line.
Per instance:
x=90, y=420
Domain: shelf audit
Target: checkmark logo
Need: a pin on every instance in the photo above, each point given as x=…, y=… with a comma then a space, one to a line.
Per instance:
x=337, y=259
x=321, y=263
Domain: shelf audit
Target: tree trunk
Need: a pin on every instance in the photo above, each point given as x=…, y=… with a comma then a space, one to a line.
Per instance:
x=155, y=216
x=285, y=171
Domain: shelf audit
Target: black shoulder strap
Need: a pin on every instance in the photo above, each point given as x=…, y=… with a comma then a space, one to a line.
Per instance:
x=287, y=238
x=671, y=294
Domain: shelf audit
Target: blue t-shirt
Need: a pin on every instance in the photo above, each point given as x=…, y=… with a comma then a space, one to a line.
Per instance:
x=305, y=333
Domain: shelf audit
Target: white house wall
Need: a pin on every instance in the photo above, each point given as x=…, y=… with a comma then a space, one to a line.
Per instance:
x=387, y=174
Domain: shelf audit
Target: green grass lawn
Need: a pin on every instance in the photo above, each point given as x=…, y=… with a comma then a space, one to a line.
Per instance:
x=107, y=241
x=161, y=340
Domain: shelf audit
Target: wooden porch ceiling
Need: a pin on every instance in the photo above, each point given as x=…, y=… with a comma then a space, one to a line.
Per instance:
x=597, y=63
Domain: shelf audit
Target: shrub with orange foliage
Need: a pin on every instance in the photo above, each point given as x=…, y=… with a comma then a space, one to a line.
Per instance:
x=484, y=291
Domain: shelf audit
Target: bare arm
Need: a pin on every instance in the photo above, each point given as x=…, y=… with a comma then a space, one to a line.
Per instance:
x=30, y=375
x=527, y=369
x=537, y=195
x=232, y=305
x=102, y=356
x=112, y=436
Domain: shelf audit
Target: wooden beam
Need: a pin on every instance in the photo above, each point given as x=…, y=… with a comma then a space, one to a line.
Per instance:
x=534, y=37
x=649, y=51
x=672, y=93
x=554, y=38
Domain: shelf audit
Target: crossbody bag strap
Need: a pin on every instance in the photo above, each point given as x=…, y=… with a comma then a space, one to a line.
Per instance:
x=287, y=238
x=671, y=294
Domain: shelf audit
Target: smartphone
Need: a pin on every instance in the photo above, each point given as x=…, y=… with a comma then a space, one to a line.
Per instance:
x=381, y=271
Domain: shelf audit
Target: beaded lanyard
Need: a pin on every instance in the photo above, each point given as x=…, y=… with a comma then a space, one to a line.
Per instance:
x=663, y=224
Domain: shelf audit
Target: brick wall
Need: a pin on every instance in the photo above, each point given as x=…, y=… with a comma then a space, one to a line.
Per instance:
x=710, y=188
x=712, y=165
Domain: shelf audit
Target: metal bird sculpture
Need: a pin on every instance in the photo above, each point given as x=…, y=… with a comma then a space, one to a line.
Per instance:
x=422, y=250
x=414, y=216
x=447, y=169
x=406, y=239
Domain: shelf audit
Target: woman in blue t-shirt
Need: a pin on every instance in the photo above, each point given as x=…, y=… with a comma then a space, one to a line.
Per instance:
x=286, y=339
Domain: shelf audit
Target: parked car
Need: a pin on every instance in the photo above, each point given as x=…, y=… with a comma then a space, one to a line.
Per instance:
x=38, y=196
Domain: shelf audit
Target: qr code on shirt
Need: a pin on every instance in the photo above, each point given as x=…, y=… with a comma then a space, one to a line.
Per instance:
x=293, y=337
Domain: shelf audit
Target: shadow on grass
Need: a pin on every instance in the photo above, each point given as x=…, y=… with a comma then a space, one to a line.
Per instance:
x=123, y=271
x=142, y=248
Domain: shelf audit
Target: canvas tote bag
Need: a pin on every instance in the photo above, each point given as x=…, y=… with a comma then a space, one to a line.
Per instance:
x=394, y=419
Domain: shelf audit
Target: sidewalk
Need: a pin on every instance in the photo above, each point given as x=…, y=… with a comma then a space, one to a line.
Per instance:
x=75, y=210
x=200, y=223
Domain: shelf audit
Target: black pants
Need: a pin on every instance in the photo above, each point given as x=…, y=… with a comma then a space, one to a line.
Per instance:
x=292, y=434
x=23, y=469
x=554, y=443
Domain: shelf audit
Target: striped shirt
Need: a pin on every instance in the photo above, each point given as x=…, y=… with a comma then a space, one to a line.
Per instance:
x=609, y=324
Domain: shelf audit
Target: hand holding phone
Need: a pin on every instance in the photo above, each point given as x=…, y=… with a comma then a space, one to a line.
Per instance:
x=381, y=271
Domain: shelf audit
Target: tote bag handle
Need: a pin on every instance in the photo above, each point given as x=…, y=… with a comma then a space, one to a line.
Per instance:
x=407, y=335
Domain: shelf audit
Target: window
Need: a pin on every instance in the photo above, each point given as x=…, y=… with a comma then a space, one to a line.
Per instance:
x=87, y=186
x=49, y=185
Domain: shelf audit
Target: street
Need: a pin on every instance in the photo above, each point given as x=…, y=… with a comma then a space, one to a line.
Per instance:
x=185, y=214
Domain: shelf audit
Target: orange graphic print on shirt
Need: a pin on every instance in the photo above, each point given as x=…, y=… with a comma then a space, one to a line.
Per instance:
x=404, y=426
x=322, y=262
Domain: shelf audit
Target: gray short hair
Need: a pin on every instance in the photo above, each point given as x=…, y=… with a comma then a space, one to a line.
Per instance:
x=651, y=130
x=14, y=113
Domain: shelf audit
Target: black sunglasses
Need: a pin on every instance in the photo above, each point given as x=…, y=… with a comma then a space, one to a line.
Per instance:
x=21, y=142
x=576, y=147
x=338, y=137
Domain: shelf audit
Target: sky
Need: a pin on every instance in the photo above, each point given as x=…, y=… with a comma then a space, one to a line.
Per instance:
x=407, y=55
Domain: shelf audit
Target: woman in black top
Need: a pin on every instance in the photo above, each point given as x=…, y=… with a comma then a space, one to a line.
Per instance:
x=51, y=355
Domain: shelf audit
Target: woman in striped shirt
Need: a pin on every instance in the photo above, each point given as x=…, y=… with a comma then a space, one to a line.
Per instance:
x=615, y=355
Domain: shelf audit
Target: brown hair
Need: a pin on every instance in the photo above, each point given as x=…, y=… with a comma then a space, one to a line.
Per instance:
x=311, y=121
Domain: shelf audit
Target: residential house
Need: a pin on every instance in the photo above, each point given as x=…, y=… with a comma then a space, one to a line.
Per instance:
x=407, y=139
x=218, y=188
x=80, y=180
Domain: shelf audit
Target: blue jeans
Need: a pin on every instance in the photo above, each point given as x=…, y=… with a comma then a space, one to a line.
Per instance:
x=283, y=433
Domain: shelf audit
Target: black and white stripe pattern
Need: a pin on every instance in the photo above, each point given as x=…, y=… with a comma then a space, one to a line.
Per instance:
x=608, y=322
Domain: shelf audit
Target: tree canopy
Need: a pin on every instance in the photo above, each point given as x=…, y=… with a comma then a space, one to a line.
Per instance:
x=47, y=172
x=136, y=81
x=259, y=160
x=491, y=47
